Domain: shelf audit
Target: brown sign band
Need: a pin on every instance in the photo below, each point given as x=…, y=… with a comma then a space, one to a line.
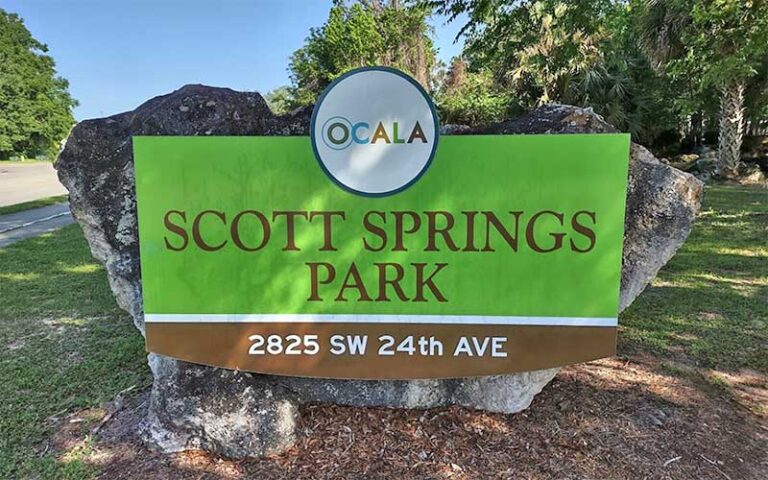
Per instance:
x=380, y=350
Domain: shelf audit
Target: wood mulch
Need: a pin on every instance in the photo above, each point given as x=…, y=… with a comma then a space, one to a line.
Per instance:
x=608, y=419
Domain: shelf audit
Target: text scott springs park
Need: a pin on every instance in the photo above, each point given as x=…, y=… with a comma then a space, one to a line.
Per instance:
x=396, y=231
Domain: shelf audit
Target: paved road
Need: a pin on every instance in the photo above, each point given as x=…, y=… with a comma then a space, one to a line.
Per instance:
x=30, y=223
x=24, y=182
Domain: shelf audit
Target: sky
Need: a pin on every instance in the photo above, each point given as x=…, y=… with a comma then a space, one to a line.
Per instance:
x=117, y=54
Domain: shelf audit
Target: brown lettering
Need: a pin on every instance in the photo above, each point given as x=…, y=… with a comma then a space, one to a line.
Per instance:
x=290, y=227
x=531, y=238
x=234, y=231
x=433, y=231
x=178, y=230
x=400, y=229
x=314, y=281
x=376, y=230
x=196, y=230
x=584, y=230
x=421, y=282
x=469, y=246
x=492, y=219
x=327, y=228
x=357, y=284
x=395, y=282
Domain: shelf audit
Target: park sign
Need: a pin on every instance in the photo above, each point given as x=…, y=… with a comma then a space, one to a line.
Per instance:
x=374, y=249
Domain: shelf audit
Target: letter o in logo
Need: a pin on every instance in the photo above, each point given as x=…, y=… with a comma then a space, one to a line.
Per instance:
x=337, y=133
x=374, y=131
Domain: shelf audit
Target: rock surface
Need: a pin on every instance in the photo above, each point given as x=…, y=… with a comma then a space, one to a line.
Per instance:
x=221, y=411
x=239, y=414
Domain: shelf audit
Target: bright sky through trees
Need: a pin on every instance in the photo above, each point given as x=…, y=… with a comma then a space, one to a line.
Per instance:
x=119, y=53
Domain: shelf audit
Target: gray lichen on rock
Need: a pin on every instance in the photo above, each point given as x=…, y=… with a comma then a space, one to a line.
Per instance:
x=240, y=414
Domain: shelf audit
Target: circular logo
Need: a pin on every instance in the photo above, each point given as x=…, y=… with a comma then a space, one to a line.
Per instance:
x=374, y=131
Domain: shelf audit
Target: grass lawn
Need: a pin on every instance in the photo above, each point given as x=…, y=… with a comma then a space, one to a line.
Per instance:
x=68, y=347
x=43, y=202
x=65, y=346
x=24, y=160
x=709, y=305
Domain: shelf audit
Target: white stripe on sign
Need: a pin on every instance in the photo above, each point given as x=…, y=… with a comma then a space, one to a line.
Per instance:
x=403, y=319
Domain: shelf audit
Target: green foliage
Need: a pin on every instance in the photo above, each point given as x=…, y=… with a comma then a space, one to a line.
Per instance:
x=714, y=49
x=705, y=43
x=580, y=52
x=661, y=24
x=648, y=66
x=555, y=45
x=728, y=39
x=535, y=48
x=365, y=33
x=757, y=94
x=623, y=87
x=280, y=100
x=471, y=98
x=35, y=106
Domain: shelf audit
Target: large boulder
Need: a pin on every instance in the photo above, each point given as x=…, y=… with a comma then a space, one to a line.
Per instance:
x=241, y=414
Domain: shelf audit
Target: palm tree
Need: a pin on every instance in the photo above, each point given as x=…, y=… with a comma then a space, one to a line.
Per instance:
x=722, y=41
x=661, y=27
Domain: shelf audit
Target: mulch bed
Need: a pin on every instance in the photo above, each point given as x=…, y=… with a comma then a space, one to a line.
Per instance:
x=609, y=419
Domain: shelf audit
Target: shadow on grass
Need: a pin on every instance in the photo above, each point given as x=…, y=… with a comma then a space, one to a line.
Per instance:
x=709, y=305
x=64, y=345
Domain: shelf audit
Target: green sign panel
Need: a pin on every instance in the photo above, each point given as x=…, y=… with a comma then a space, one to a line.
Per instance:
x=504, y=256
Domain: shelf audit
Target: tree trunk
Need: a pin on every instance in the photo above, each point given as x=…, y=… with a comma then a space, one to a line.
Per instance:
x=731, y=128
x=697, y=128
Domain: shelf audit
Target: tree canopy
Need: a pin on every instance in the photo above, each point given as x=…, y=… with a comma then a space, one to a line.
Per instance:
x=667, y=71
x=365, y=33
x=651, y=67
x=719, y=48
x=472, y=98
x=35, y=105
